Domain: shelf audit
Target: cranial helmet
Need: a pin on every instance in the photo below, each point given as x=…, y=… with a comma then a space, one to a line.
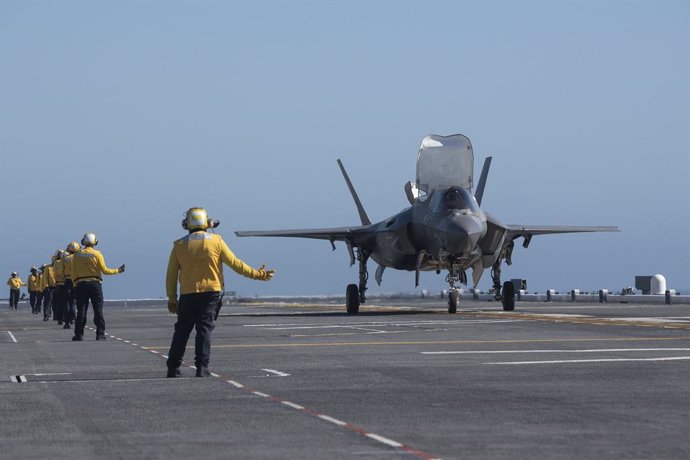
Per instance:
x=73, y=247
x=197, y=219
x=34, y=269
x=14, y=273
x=59, y=254
x=89, y=239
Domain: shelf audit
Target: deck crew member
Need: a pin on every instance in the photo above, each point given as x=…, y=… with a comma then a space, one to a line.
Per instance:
x=70, y=312
x=14, y=283
x=40, y=287
x=87, y=267
x=59, y=300
x=32, y=286
x=49, y=285
x=197, y=262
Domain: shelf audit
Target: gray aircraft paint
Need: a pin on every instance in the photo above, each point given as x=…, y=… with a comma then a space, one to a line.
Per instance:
x=444, y=229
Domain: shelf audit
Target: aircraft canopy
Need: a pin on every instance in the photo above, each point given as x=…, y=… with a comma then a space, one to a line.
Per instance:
x=444, y=161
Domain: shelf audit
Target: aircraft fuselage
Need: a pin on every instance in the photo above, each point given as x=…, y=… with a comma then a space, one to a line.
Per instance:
x=445, y=227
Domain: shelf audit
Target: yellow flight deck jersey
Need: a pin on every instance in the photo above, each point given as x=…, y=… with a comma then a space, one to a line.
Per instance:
x=15, y=283
x=67, y=266
x=88, y=265
x=34, y=283
x=198, y=259
x=59, y=268
x=41, y=281
x=49, y=277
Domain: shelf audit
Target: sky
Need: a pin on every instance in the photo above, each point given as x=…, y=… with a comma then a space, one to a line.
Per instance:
x=116, y=117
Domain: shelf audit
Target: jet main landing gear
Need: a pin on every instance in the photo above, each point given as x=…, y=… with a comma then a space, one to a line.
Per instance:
x=506, y=292
x=508, y=298
x=354, y=294
x=352, y=299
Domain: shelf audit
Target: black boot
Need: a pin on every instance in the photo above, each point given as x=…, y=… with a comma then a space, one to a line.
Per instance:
x=202, y=371
x=173, y=372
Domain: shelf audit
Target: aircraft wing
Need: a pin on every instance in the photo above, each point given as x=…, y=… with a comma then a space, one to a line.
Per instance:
x=330, y=234
x=530, y=230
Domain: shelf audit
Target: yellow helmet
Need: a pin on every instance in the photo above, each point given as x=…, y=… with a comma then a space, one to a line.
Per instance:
x=73, y=247
x=197, y=219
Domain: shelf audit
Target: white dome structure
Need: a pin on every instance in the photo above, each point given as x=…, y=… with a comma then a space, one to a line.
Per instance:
x=658, y=284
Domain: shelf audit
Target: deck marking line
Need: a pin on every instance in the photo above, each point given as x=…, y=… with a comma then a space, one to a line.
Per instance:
x=235, y=384
x=263, y=395
x=577, y=361
x=278, y=373
x=601, y=350
x=388, y=442
x=332, y=420
x=14, y=339
x=293, y=405
x=438, y=342
x=51, y=373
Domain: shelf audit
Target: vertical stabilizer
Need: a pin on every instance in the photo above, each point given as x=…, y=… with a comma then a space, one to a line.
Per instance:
x=362, y=213
x=482, y=181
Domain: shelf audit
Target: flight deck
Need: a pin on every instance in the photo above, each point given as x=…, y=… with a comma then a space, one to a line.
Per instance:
x=402, y=379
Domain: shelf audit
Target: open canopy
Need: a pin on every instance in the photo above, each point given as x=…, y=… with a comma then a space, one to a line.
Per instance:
x=445, y=161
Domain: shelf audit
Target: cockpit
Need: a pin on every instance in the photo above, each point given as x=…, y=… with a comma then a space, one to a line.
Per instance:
x=453, y=198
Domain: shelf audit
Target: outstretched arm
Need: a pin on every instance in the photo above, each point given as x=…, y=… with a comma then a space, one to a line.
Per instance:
x=229, y=259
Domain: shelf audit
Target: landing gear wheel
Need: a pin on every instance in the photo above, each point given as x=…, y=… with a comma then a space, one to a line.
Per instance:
x=453, y=301
x=508, y=296
x=352, y=299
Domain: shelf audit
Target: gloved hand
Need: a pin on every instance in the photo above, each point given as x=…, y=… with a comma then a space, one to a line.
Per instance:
x=122, y=268
x=172, y=306
x=265, y=275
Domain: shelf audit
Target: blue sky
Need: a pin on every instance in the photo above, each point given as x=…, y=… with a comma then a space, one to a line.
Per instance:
x=115, y=117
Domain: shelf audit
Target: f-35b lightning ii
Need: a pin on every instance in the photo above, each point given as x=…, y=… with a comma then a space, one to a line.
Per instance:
x=443, y=229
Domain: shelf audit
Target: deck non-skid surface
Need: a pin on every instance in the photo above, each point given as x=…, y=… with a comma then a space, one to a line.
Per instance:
x=403, y=379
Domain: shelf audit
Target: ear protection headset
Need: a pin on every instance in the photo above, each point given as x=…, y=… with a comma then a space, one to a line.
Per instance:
x=197, y=218
x=89, y=239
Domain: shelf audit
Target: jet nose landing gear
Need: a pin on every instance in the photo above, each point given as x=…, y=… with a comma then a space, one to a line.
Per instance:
x=454, y=294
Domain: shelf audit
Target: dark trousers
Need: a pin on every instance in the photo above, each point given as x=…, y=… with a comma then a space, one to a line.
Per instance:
x=194, y=310
x=70, y=308
x=39, y=301
x=32, y=301
x=48, y=302
x=85, y=291
x=14, y=298
x=59, y=302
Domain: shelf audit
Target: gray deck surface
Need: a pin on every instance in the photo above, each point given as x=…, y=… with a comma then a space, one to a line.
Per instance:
x=402, y=380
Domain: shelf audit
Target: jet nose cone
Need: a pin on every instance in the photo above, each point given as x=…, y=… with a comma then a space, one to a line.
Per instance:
x=462, y=233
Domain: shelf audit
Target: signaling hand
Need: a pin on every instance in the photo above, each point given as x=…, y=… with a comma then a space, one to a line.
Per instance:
x=172, y=306
x=122, y=268
x=265, y=275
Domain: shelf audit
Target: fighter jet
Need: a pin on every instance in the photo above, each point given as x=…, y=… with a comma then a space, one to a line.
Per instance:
x=444, y=229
